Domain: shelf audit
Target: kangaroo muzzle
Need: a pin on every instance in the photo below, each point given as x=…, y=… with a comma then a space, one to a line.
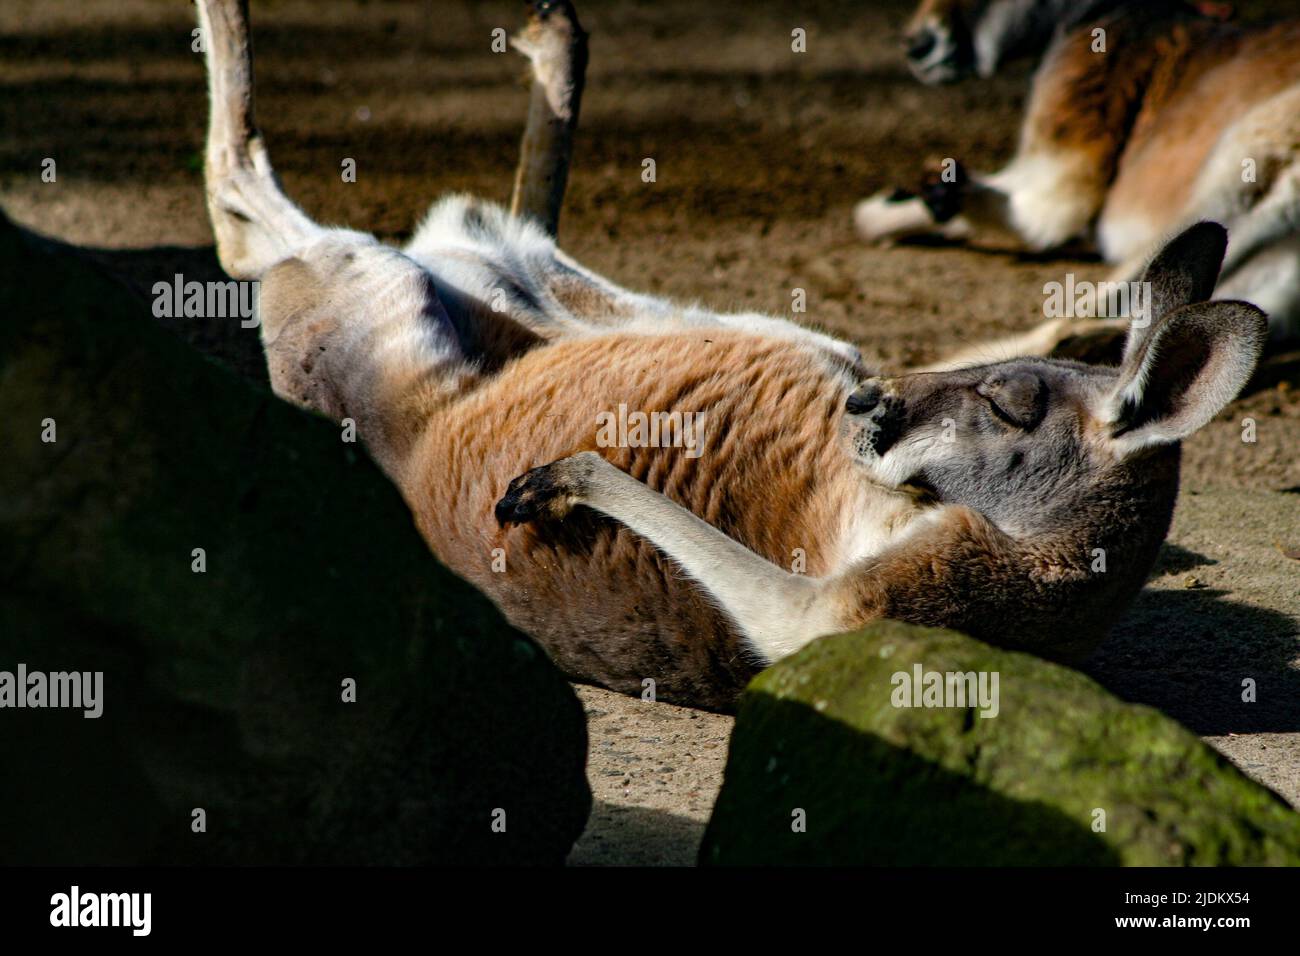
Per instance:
x=880, y=413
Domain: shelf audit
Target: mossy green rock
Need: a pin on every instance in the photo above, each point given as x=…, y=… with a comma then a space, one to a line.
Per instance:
x=818, y=742
x=223, y=690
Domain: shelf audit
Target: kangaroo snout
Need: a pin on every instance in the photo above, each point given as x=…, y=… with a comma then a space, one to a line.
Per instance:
x=882, y=414
x=920, y=44
x=863, y=399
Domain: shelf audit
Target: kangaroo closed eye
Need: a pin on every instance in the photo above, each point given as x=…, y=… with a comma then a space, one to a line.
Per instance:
x=1020, y=400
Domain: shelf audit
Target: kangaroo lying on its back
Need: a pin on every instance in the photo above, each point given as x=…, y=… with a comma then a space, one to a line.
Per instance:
x=480, y=366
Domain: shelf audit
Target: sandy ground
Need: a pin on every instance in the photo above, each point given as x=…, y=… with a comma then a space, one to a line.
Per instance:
x=760, y=154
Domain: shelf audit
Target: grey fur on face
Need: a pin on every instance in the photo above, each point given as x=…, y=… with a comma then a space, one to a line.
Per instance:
x=1031, y=442
x=1008, y=440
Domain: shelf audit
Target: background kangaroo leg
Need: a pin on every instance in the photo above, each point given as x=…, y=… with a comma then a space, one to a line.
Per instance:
x=1086, y=340
x=255, y=224
x=1270, y=279
x=1263, y=261
x=1039, y=202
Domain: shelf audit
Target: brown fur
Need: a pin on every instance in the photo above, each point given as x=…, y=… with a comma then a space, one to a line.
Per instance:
x=604, y=601
x=1206, y=75
x=1144, y=116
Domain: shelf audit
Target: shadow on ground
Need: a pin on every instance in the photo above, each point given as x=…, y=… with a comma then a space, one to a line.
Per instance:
x=1187, y=652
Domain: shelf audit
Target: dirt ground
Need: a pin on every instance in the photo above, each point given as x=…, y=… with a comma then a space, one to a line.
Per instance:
x=760, y=154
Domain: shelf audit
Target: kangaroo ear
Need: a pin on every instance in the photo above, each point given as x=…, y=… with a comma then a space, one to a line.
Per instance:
x=1184, y=271
x=1192, y=363
x=1187, y=268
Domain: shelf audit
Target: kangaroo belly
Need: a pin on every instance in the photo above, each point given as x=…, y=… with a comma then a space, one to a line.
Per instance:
x=740, y=429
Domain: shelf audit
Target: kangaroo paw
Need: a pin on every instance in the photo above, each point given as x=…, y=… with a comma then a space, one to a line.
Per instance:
x=547, y=493
x=551, y=34
x=943, y=188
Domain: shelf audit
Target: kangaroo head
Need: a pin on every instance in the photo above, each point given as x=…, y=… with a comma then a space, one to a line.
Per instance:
x=937, y=40
x=946, y=40
x=1036, y=443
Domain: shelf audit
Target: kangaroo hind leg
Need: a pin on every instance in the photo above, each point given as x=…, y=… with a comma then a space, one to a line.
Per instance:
x=255, y=224
x=556, y=47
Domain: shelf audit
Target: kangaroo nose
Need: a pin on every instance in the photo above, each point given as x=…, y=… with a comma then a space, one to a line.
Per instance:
x=863, y=399
x=920, y=45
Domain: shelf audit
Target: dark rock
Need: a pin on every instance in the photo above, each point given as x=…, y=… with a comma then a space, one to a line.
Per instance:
x=223, y=690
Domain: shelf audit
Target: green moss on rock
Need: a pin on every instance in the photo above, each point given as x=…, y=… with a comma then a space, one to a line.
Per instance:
x=223, y=689
x=888, y=785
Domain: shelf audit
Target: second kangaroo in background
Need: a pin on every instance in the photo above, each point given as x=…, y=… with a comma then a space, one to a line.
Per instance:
x=1143, y=118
